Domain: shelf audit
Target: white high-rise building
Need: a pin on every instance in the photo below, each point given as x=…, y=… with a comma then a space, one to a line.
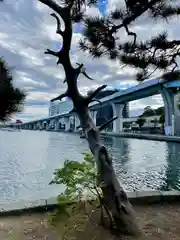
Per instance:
x=59, y=107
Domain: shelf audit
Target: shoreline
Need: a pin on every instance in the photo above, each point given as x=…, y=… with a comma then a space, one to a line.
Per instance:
x=42, y=205
x=143, y=136
x=152, y=137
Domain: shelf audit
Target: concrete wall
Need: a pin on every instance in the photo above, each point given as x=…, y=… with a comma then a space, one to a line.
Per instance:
x=42, y=205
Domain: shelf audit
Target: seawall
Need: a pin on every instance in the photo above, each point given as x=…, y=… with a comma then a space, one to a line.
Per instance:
x=155, y=137
x=42, y=205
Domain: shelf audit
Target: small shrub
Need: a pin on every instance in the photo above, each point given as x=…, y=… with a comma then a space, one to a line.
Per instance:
x=79, y=180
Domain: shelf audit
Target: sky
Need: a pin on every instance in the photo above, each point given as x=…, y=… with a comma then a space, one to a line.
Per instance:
x=27, y=29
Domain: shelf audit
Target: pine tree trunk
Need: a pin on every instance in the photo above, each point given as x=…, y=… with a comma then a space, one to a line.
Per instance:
x=114, y=196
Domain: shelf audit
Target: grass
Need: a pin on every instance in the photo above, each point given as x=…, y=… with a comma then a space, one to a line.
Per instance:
x=156, y=221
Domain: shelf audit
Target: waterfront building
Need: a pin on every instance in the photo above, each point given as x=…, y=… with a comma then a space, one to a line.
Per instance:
x=60, y=107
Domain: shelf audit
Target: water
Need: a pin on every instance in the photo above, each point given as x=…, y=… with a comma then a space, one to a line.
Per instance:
x=28, y=159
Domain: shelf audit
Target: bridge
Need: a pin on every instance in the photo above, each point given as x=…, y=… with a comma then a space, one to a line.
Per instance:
x=169, y=91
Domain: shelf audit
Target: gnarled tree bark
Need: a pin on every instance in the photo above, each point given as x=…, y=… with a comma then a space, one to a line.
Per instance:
x=114, y=196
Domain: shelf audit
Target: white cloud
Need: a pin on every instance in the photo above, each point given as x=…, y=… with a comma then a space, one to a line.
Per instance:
x=42, y=96
x=155, y=102
x=32, y=112
x=92, y=11
x=36, y=110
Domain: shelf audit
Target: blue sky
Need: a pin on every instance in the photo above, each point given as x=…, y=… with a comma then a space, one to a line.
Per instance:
x=27, y=29
x=102, y=4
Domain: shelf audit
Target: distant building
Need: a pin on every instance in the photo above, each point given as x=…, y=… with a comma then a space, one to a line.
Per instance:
x=60, y=107
x=18, y=121
x=53, y=108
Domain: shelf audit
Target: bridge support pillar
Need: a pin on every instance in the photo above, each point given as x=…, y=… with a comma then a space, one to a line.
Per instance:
x=34, y=126
x=168, y=99
x=56, y=124
x=37, y=126
x=48, y=125
x=117, y=112
x=93, y=115
x=51, y=124
x=40, y=126
x=60, y=122
x=44, y=125
x=67, y=123
x=176, y=117
x=76, y=123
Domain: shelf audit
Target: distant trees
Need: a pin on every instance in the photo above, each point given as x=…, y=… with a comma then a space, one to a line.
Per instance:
x=159, y=111
x=148, y=111
x=155, y=121
x=140, y=121
x=11, y=98
x=162, y=118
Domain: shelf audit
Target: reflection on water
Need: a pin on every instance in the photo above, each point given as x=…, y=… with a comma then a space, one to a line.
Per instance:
x=139, y=164
x=172, y=168
x=28, y=160
x=146, y=165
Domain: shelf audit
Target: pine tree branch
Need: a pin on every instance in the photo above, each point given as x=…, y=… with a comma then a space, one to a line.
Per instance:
x=129, y=19
x=97, y=100
x=104, y=125
x=58, y=31
x=60, y=97
x=67, y=34
x=174, y=60
x=59, y=55
x=131, y=34
x=85, y=74
x=82, y=70
x=90, y=98
x=52, y=4
x=171, y=75
x=73, y=110
x=157, y=53
x=50, y=52
x=99, y=31
x=65, y=13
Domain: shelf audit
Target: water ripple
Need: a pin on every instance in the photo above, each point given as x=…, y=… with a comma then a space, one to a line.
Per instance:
x=28, y=160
